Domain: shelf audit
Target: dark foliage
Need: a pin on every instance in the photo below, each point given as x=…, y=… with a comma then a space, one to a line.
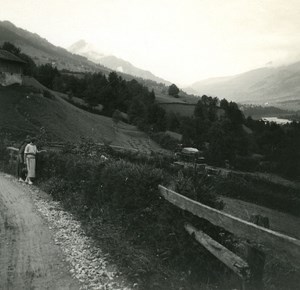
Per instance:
x=173, y=91
x=130, y=190
x=46, y=74
x=165, y=141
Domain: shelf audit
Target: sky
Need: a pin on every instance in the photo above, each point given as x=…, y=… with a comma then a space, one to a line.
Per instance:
x=182, y=41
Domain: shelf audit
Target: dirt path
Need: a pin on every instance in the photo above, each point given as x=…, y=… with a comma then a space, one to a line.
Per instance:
x=29, y=258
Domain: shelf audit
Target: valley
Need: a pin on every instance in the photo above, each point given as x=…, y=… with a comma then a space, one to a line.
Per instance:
x=106, y=199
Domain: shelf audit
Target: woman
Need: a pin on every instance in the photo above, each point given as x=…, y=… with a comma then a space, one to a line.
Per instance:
x=30, y=158
x=20, y=159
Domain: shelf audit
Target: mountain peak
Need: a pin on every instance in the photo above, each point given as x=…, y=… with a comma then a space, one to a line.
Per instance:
x=78, y=45
x=92, y=53
x=7, y=23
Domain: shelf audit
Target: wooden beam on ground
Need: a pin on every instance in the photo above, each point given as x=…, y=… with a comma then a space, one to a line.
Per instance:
x=282, y=246
x=231, y=260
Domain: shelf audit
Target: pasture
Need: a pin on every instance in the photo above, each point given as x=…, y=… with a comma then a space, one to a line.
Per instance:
x=183, y=109
x=24, y=110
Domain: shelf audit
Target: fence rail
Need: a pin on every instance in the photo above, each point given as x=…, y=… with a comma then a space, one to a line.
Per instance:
x=230, y=259
x=281, y=246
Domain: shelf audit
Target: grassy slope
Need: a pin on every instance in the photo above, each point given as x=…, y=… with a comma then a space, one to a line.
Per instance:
x=63, y=121
x=184, y=105
x=186, y=110
x=277, y=274
x=10, y=117
x=279, y=221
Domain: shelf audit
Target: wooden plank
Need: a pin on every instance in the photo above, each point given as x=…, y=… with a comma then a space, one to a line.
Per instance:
x=231, y=260
x=282, y=246
x=12, y=149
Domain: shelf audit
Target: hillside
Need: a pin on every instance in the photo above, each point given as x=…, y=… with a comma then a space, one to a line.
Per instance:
x=24, y=111
x=43, y=51
x=277, y=86
x=87, y=50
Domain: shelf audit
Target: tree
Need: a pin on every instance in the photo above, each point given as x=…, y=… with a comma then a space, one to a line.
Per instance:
x=113, y=79
x=11, y=48
x=200, y=111
x=220, y=143
x=173, y=91
x=234, y=113
x=156, y=117
x=187, y=129
x=152, y=96
x=137, y=111
x=46, y=75
x=224, y=104
x=116, y=117
x=30, y=66
x=172, y=121
x=90, y=96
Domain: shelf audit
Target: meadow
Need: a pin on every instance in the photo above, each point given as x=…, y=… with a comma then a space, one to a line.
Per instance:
x=25, y=110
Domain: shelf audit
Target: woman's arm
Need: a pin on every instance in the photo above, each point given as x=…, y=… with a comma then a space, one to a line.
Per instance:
x=40, y=151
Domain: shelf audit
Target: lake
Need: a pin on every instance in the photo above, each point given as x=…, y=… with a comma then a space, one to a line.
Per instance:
x=276, y=120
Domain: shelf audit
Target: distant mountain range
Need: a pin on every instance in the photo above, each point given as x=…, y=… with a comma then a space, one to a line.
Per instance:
x=42, y=51
x=87, y=50
x=278, y=86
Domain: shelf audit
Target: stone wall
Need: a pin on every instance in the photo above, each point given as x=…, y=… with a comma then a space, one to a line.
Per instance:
x=7, y=79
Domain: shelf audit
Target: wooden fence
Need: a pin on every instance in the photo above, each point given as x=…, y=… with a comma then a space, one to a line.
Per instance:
x=13, y=153
x=258, y=238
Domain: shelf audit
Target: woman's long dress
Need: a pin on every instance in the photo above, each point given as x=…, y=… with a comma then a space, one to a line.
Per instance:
x=30, y=153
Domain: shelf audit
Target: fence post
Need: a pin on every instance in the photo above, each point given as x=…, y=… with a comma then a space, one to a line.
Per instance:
x=11, y=156
x=256, y=258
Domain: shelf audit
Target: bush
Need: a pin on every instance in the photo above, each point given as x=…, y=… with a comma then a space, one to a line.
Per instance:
x=128, y=190
x=165, y=141
x=131, y=186
x=47, y=94
x=246, y=163
x=198, y=187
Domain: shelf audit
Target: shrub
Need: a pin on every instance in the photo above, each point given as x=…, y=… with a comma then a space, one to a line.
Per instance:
x=130, y=186
x=165, y=141
x=245, y=163
x=129, y=191
x=198, y=187
x=47, y=94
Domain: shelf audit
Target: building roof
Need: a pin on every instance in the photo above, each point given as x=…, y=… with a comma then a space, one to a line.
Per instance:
x=6, y=55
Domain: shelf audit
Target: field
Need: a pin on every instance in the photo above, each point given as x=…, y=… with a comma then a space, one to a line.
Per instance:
x=183, y=109
x=24, y=111
x=183, y=105
x=279, y=221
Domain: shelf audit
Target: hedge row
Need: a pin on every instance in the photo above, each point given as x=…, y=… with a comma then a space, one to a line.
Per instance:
x=130, y=190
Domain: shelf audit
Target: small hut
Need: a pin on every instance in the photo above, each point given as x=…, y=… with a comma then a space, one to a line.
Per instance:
x=11, y=68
